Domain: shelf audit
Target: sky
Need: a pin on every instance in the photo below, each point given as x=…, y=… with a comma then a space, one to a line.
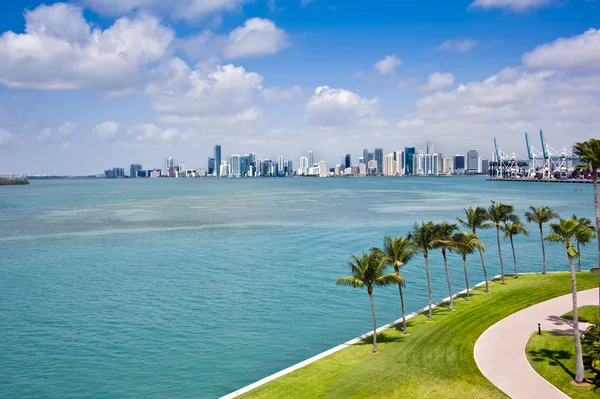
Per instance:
x=87, y=85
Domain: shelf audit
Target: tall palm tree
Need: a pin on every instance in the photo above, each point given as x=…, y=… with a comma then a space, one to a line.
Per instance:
x=584, y=236
x=512, y=229
x=541, y=215
x=423, y=236
x=589, y=153
x=497, y=214
x=476, y=219
x=396, y=252
x=564, y=232
x=442, y=239
x=465, y=243
x=368, y=271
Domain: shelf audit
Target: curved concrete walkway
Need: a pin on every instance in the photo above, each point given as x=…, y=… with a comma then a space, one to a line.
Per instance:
x=500, y=351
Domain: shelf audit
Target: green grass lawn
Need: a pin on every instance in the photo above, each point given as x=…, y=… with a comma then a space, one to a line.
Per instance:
x=553, y=357
x=587, y=314
x=435, y=361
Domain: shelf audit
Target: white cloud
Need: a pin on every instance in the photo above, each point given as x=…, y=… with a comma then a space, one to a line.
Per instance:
x=151, y=132
x=210, y=93
x=275, y=94
x=66, y=128
x=304, y=3
x=5, y=136
x=106, y=130
x=339, y=107
x=438, y=81
x=183, y=9
x=388, y=65
x=256, y=37
x=60, y=50
x=514, y=5
x=582, y=51
x=461, y=46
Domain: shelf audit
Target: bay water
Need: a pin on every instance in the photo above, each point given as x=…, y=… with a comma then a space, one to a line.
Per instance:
x=194, y=288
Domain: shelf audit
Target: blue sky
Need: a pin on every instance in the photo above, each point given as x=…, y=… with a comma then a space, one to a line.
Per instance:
x=92, y=84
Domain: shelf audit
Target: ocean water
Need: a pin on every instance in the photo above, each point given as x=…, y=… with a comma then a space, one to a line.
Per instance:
x=195, y=288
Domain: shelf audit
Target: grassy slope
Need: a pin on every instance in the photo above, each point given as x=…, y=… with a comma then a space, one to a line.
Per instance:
x=435, y=361
x=587, y=314
x=553, y=357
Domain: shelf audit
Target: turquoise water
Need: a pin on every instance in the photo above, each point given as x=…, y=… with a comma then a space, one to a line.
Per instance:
x=195, y=288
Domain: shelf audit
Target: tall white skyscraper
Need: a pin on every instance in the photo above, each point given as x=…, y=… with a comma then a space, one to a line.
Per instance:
x=304, y=166
x=235, y=165
x=281, y=163
x=389, y=165
x=168, y=165
x=311, y=160
x=323, y=170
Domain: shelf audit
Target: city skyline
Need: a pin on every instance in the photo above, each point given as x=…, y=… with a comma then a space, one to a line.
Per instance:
x=282, y=77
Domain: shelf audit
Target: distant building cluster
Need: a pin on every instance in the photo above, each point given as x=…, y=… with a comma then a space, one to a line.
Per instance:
x=407, y=162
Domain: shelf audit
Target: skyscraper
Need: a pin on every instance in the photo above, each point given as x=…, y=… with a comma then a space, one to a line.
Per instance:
x=347, y=161
x=311, y=160
x=472, y=161
x=459, y=164
x=431, y=147
x=168, y=165
x=218, y=159
x=134, y=169
x=211, y=166
x=290, y=169
x=409, y=155
x=281, y=163
x=235, y=165
x=365, y=155
x=379, y=159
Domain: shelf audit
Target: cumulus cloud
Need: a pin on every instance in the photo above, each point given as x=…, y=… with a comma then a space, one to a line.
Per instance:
x=66, y=128
x=256, y=37
x=388, y=65
x=60, y=50
x=581, y=51
x=209, y=93
x=183, y=9
x=513, y=5
x=106, y=130
x=438, y=81
x=151, y=132
x=563, y=99
x=461, y=46
x=5, y=136
x=275, y=94
x=340, y=107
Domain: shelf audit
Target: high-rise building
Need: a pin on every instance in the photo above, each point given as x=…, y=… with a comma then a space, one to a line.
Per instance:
x=365, y=156
x=389, y=165
x=484, y=166
x=372, y=167
x=399, y=158
x=431, y=147
x=134, y=168
x=431, y=164
x=472, y=161
x=361, y=160
x=304, y=166
x=446, y=166
x=459, y=164
x=218, y=160
x=379, y=159
x=311, y=160
x=168, y=166
x=211, y=166
x=347, y=161
x=409, y=154
x=281, y=163
x=290, y=169
x=114, y=173
x=418, y=164
x=235, y=165
x=323, y=170
x=224, y=169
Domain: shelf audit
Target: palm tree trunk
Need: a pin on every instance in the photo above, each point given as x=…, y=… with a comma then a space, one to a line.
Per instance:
x=466, y=277
x=597, y=208
x=374, y=323
x=578, y=258
x=403, y=314
x=579, y=370
x=500, y=253
x=448, y=278
x=429, y=288
x=487, y=286
x=512, y=245
x=543, y=249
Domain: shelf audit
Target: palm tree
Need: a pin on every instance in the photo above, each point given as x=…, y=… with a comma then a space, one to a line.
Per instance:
x=368, y=271
x=564, y=232
x=512, y=229
x=423, y=236
x=584, y=235
x=396, y=252
x=443, y=236
x=541, y=215
x=476, y=219
x=497, y=214
x=465, y=243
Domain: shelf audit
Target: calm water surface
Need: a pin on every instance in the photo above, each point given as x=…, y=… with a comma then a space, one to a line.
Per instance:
x=195, y=288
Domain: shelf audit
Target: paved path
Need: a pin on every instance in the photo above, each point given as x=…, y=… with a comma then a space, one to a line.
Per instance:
x=500, y=351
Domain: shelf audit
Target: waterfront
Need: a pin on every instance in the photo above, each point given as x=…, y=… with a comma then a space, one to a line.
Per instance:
x=194, y=288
